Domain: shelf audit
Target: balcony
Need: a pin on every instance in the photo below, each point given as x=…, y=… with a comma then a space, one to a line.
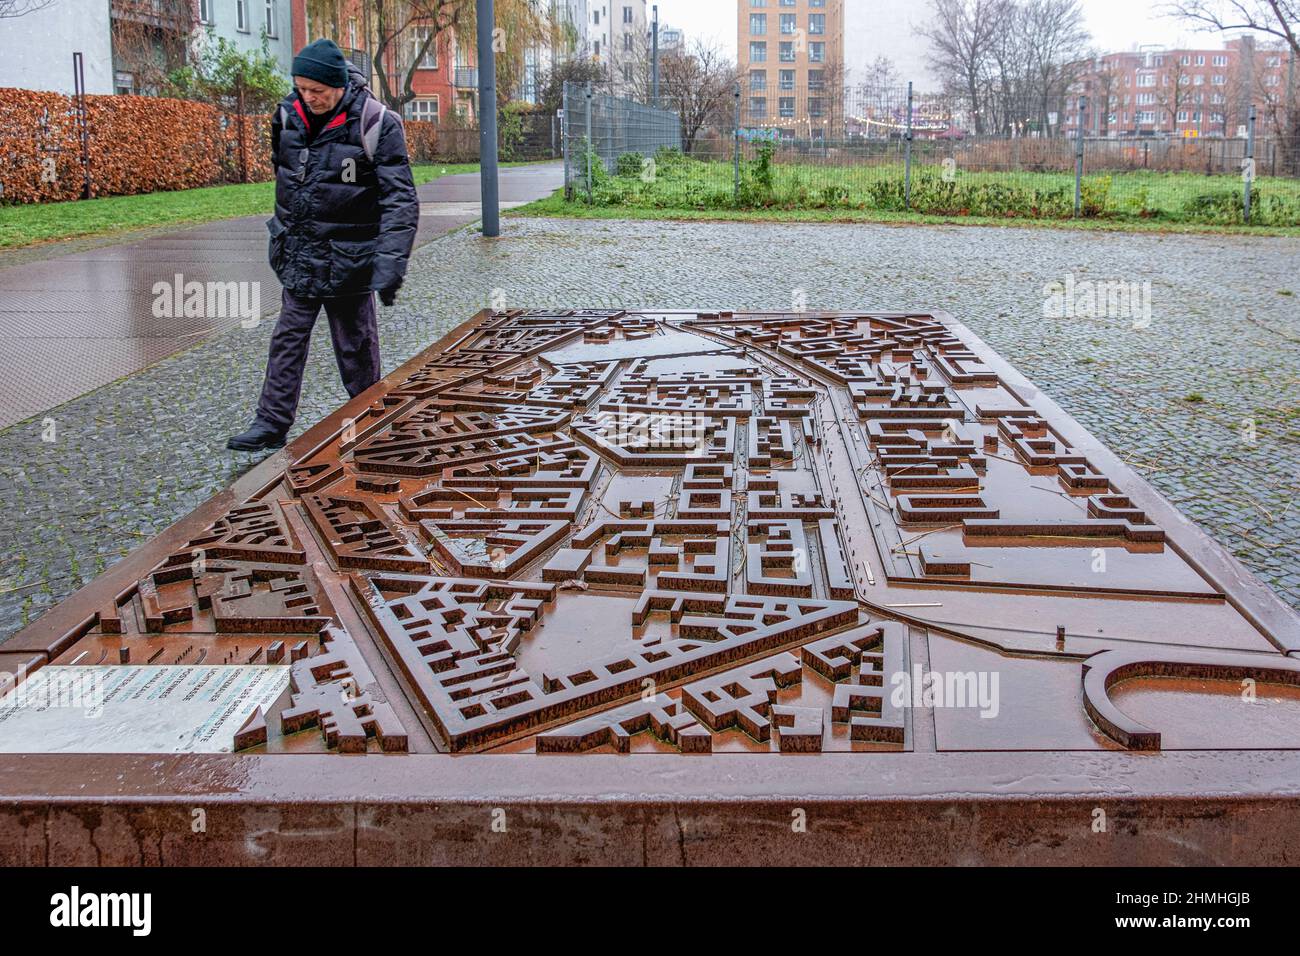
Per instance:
x=466, y=77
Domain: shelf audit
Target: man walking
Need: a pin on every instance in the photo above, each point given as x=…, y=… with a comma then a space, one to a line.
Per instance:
x=345, y=220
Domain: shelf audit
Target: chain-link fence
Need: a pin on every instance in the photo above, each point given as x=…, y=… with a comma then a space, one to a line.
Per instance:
x=776, y=147
x=609, y=135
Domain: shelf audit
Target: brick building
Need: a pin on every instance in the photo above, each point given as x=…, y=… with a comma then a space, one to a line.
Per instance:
x=1189, y=93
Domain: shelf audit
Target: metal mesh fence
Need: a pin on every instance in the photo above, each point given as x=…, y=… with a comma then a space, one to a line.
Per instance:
x=600, y=128
x=779, y=148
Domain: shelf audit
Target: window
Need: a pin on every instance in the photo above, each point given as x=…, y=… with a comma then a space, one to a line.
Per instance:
x=817, y=51
x=1186, y=60
x=816, y=24
x=241, y=15
x=758, y=80
x=758, y=24
x=785, y=106
x=1216, y=117
x=595, y=17
x=352, y=33
x=1147, y=79
x=1218, y=80
x=815, y=108
x=1271, y=80
x=757, y=51
x=627, y=72
x=758, y=106
x=1220, y=60
x=627, y=14
x=786, y=3
x=418, y=37
x=1146, y=99
x=424, y=108
x=627, y=41
x=816, y=3
x=1196, y=116
x=1160, y=61
x=1200, y=61
x=595, y=47
x=787, y=51
x=816, y=79
x=205, y=11
x=1146, y=116
x=1198, y=80
x=787, y=79
x=1274, y=61
x=758, y=3
x=270, y=19
x=788, y=23
x=1182, y=116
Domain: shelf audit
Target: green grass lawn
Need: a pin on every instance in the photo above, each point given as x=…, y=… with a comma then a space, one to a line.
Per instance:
x=556, y=207
x=47, y=222
x=684, y=187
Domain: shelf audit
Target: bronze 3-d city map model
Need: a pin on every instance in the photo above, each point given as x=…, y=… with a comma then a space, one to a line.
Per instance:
x=608, y=586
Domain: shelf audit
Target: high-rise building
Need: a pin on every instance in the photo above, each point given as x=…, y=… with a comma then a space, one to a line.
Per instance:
x=791, y=59
x=617, y=34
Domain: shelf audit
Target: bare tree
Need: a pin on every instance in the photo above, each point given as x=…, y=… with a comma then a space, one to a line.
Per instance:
x=1279, y=18
x=1275, y=18
x=1057, y=46
x=1174, y=90
x=402, y=33
x=961, y=33
x=1106, y=87
x=18, y=8
x=1006, y=89
x=697, y=83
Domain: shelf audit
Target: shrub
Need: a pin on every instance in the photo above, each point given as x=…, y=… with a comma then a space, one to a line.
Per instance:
x=630, y=164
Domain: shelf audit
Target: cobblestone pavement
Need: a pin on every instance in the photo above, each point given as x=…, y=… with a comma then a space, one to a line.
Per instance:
x=1223, y=346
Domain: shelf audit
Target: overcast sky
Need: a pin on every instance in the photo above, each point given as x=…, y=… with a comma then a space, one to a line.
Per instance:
x=1115, y=24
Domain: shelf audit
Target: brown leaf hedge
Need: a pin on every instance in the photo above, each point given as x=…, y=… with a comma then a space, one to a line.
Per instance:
x=136, y=144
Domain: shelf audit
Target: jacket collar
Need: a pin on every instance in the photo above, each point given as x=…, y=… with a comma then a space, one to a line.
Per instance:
x=298, y=111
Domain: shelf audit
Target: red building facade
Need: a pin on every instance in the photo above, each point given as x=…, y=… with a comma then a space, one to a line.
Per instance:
x=1184, y=92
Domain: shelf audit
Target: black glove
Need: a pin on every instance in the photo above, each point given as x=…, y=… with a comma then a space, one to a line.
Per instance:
x=389, y=296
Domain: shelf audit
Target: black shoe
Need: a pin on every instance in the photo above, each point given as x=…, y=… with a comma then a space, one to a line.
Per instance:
x=260, y=436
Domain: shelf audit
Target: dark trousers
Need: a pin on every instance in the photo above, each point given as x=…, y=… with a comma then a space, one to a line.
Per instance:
x=356, y=346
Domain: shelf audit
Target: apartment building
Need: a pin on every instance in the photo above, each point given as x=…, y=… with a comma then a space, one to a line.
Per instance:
x=791, y=59
x=617, y=33
x=1183, y=92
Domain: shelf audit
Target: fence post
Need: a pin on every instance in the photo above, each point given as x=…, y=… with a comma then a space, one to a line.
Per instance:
x=907, y=153
x=1078, y=161
x=79, y=98
x=1248, y=167
x=564, y=139
x=590, y=148
x=735, y=150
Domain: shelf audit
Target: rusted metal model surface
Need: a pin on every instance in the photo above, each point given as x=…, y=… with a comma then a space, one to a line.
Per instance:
x=650, y=585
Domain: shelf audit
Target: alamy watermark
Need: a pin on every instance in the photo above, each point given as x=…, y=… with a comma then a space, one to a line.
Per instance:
x=1073, y=298
x=208, y=300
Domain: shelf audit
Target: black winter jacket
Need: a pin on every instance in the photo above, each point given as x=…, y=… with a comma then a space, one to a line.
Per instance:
x=342, y=225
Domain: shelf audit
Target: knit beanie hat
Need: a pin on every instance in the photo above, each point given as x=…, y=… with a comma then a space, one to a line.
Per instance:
x=323, y=62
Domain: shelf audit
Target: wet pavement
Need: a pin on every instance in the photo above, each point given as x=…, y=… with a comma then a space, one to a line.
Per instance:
x=89, y=315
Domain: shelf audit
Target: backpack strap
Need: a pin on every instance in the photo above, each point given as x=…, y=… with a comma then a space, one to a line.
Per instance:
x=372, y=124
